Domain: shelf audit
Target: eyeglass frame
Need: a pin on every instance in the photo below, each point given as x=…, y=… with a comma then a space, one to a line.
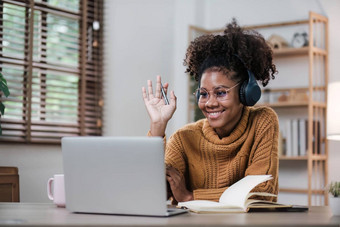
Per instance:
x=208, y=92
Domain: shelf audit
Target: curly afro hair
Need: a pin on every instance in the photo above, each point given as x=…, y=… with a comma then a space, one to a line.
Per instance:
x=240, y=50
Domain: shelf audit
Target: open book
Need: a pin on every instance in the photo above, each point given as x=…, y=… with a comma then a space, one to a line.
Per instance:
x=235, y=198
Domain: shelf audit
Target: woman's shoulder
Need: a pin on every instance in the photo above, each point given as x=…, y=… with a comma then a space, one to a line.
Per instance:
x=263, y=111
x=190, y=129
x=264, y=115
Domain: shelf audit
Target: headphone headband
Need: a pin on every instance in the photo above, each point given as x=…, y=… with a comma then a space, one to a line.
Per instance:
x=249, y=92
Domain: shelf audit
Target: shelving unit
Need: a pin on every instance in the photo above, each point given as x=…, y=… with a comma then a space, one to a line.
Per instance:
x=314, y=103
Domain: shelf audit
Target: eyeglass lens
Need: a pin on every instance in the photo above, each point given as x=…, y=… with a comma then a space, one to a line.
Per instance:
x=220, y=93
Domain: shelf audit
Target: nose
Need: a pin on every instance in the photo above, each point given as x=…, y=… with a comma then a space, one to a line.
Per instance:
x=212, y=101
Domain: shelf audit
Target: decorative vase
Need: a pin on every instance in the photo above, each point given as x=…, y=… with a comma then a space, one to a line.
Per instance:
x=334, y=204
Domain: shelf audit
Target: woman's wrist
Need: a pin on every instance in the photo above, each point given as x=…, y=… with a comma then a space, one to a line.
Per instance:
x=190, y=197
x=157, y=129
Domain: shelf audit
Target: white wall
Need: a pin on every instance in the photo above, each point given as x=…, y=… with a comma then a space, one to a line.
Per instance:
x=144, y=38
x=139, y=45
x=36, y=163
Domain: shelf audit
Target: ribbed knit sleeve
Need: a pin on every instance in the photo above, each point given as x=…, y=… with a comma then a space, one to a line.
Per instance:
x=175, y=154
x=264, y=153
x=209, y=194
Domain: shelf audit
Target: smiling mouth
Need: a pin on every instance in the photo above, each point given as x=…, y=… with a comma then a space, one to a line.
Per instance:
x=213, y=115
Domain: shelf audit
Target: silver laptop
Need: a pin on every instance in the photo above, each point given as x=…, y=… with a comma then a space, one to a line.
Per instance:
x=115, y=175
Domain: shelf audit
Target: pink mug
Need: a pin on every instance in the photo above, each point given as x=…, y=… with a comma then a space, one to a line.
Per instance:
x=57, y=191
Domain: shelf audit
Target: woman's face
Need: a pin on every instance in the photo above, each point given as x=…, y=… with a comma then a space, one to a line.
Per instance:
x=222, y=112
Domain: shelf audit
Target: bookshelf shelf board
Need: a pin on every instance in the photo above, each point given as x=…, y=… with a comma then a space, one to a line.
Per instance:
x=286, y=89
x=302, y=191
x=293, y=104
x=304, y=158
x=319, y=157
x=293, y=158
x=280, y=24
x=319, y=104
x=319, y=51
x=289, y=52
x=285, y=104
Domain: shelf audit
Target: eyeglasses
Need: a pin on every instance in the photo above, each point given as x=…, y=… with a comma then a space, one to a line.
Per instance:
x=221, y=93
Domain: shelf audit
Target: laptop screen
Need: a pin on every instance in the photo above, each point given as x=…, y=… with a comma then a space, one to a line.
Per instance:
x=116, y=175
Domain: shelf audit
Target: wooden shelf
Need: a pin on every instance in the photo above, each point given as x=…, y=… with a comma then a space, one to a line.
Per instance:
x=293, y=104
x=289, y=52
x=301, y=98
x=285, y=104
x=318, y=51
x=319, y=157
x=303, y=51
x=304, y=158
x=319, y=104
x=301, y=191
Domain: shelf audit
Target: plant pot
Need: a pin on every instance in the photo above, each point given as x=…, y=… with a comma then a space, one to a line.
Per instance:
x=334, y=204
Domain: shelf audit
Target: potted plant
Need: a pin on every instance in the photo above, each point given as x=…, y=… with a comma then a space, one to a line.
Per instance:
x=334, y=199
x=5, y=91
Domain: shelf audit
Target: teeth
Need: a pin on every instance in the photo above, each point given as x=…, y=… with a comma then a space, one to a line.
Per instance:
x=215, y=113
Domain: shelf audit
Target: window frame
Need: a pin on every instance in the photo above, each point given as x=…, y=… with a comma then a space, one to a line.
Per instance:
x=89, y=71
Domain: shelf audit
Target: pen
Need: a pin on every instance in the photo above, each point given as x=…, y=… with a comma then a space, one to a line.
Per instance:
x=164, y=96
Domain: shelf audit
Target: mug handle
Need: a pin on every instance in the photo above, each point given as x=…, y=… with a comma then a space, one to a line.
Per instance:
x=49, y=188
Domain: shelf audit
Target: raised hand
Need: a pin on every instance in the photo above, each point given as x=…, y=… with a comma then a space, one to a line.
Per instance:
x=158, y=111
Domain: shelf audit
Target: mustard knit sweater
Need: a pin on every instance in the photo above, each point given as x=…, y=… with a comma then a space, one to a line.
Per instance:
x=210, y=164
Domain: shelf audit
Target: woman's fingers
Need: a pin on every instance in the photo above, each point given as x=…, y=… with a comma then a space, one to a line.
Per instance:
x=173, y=98
x=145, y=96
x=158, y=93
x=158, y=87
x=173, y=174
x=150, y=90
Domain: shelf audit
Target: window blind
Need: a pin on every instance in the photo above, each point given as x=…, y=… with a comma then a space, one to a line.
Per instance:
x=51, y=57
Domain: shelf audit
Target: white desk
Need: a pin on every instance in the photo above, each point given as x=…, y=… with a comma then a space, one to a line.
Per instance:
x=30, y=214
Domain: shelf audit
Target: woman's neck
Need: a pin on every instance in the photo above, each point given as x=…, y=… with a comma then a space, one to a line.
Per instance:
x=224, y=132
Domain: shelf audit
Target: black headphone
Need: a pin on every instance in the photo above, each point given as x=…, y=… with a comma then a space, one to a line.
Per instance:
x=249, y=92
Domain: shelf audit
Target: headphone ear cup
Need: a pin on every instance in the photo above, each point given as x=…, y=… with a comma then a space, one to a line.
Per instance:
x=250, y=91
x=197, y=96
x=242, y=92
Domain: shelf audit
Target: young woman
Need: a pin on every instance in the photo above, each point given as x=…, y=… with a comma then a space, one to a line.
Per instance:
x=235, y=139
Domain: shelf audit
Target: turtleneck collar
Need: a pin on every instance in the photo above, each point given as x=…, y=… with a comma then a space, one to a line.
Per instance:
x=210, y=134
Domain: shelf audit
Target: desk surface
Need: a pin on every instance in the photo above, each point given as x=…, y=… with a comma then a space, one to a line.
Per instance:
x=31, y=214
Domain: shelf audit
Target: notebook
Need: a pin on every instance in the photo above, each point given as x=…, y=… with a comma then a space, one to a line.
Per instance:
x=115, y=175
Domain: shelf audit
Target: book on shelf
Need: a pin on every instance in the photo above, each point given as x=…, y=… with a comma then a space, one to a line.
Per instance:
x=288, y=132
x=296, y=137
x=236, y=198
x=303, y=124
x=316, y=138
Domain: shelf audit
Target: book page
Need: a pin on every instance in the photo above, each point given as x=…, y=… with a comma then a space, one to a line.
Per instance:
x=204, y=205
x=237, y=194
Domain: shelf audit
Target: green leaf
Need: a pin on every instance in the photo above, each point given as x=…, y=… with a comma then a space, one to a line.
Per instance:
x=2, y=108
x=3, y=85
x=4, y=88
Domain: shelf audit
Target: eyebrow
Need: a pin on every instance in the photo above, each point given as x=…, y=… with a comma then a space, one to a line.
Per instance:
x=220, y=86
